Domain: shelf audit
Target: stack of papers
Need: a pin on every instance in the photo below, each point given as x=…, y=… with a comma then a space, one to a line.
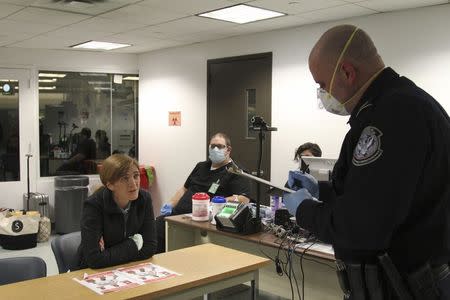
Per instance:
x=125, y=278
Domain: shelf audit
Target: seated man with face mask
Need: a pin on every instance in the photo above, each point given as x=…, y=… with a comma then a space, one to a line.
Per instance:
x=210, y=176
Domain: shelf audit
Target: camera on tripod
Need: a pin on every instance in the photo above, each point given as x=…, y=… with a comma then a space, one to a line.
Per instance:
x=258, y=124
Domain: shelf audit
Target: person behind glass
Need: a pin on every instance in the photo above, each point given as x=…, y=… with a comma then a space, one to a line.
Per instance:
x=210, y=177
x=103, y=146
x=86, y=150
x=117, y=223
x=388, y=216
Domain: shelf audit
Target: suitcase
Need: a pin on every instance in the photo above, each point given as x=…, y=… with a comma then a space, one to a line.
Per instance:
x=38, y=202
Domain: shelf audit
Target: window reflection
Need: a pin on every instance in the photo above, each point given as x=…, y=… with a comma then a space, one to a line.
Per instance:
x=9, y=130
x=83, y=118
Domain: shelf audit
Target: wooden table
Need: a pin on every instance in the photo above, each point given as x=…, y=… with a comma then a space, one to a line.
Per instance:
x=320, y=278
x=204, y=269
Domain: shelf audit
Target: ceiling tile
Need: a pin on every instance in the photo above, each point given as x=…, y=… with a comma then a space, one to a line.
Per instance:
x=202, y=36
x=149, y=46
x=44, y=42
x=84, y=8
x=187, y=25
x=142, y=14
x=77, y=36
x=189, y=7
x=337, y=13
x=295, y=7
x=46, y=16
x=18, y=2
x=7, y=9
x=25, y=27
x=6, y=39
x=389, y=5
x=98, y=24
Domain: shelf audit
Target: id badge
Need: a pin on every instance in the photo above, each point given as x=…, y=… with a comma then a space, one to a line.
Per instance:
x=213, y=188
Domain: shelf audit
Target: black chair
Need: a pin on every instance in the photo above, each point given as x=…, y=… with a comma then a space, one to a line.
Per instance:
x=15, y=269
x=65, y=249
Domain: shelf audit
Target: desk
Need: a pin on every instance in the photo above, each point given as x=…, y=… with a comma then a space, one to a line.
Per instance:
x=320, y=280
x=202, y=272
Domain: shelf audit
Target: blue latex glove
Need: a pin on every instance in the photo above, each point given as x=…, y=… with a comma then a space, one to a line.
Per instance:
x=166, y=209
x=298, y=180
x=293, y=200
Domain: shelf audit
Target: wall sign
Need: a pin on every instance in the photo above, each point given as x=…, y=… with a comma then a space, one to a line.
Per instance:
x=174, y=118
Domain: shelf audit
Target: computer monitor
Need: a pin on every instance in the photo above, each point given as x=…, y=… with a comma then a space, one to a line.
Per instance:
x=320, y=167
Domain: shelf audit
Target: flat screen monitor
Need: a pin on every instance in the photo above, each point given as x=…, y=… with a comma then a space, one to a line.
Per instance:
x=320, y=167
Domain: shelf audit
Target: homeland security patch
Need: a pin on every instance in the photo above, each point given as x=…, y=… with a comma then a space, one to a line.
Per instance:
x=368, y=148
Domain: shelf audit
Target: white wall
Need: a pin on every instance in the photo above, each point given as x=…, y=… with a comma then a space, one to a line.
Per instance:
x=34, y=60
x=415, y=43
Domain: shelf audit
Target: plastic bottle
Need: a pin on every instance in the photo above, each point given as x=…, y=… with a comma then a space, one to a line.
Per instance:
x=217, y=203
x=200, y=205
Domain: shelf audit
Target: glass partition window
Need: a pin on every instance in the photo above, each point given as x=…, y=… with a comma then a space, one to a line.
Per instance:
x=84, y=118
x=9, y=130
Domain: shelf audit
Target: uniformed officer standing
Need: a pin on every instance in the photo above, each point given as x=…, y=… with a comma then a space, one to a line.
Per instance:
x=388, y=216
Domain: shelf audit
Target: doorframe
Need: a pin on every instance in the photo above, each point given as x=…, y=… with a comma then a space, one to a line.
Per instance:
x=268, y=118
x=28, y=133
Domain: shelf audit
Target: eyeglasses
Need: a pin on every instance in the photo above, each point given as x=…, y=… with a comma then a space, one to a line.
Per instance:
x=219, y=146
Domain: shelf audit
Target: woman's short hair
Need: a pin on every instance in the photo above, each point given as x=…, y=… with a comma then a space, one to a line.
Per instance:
x=115, y=167
x=313, y=148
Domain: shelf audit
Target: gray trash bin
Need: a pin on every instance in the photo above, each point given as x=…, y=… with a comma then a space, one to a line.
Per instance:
x=70, y=193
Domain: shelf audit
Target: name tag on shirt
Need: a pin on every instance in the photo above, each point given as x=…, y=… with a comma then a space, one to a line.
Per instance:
x=213, y=188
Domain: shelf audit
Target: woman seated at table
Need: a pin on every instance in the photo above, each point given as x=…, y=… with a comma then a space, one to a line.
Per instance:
x=117, y=224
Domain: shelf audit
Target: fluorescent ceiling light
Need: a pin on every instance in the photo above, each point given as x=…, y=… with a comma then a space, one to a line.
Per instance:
x=9, y=80
x=94, y=74
x=99, y=82
x=47, y=87
x=98, y=88
x=94, y=45
x=131, y=78
x=241, y=14
x=48, y=80
x=57, y=75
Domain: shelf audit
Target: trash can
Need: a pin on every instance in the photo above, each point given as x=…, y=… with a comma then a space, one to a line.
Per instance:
x=70, y=193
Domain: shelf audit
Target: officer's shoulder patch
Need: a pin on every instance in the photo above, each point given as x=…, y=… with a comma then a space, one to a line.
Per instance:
x=368, y=148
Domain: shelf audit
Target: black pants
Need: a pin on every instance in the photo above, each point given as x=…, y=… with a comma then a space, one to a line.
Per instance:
x=442, y=281
x=443, y=286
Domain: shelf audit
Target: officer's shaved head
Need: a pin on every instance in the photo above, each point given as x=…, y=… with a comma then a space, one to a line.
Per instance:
x=361, y=49
x=345, y=77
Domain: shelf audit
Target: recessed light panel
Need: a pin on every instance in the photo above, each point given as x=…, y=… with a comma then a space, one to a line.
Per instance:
x=241, y=14
x=94, y=45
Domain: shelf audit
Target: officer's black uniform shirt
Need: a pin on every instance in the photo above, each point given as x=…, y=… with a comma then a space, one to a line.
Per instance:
x=391, y=181
x=201, y=179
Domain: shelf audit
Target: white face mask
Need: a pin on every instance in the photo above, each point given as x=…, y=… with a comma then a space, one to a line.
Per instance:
x=331, y=104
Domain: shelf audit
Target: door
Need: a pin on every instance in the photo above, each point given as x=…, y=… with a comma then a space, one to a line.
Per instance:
x=238, y=89
x=17, y=124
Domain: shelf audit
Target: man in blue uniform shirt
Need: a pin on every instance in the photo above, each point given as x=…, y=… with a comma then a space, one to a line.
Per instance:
x=391, y=184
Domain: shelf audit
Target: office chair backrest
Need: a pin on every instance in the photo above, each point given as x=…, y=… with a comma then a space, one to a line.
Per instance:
x=65, y=248
x=15, y=269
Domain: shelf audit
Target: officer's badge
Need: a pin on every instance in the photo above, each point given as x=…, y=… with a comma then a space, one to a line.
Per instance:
x=368, y=148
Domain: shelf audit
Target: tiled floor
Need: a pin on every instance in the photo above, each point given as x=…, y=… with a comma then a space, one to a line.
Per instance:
x=42, y=250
